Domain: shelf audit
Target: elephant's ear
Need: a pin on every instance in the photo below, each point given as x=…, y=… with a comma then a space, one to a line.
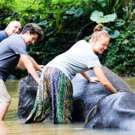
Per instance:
x=91, y=114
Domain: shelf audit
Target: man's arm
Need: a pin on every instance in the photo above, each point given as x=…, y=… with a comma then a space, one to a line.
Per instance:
x=26, y=63
x=37, y=67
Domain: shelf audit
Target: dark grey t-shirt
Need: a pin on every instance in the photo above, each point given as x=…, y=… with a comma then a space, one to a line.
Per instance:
x=3, y=35
x=10, y=50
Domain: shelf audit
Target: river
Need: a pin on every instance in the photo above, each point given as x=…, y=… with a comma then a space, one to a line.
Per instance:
x=13, y=126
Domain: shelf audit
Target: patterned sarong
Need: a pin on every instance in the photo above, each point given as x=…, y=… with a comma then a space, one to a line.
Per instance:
x=54, y=95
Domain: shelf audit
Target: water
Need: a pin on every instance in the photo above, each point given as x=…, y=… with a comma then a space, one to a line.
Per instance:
x=13, y=126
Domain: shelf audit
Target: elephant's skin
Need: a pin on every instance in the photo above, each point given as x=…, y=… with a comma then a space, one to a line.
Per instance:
x=114, y=111
x=87, y=95
x=90, y=99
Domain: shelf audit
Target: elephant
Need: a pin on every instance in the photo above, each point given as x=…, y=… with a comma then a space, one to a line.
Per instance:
x=115, y=111
x=93, y=104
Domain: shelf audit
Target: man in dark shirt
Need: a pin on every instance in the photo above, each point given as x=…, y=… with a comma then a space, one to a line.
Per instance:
x=12, y=51
x=14, y=27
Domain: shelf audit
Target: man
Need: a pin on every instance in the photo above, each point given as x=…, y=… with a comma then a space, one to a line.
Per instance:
x=13, y=27
x=12, y=51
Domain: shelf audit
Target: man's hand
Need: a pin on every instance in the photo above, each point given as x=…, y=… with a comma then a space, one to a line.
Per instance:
x=41, y=67
x=29, y=65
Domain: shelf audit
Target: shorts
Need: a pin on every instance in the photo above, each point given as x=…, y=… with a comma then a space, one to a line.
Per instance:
x=4, y=95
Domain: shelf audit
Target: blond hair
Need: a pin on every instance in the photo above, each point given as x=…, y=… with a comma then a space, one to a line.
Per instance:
x=99, y=32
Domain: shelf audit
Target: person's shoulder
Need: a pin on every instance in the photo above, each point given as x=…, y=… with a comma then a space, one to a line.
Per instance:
x=3, y=34
x=16, y=38
x=78, y=45
x=13, y=41
x=82, y=42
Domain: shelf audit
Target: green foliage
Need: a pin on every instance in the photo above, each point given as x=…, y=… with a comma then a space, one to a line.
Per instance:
x=121, y=57
x=66, y=21
x=6, y=11
x=121, y=54
x=99, y=17
x=110, y=6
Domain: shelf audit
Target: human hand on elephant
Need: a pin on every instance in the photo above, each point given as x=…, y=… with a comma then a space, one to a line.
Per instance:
x=89, y=79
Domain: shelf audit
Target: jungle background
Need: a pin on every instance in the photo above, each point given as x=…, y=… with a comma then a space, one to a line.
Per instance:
x=66, y=21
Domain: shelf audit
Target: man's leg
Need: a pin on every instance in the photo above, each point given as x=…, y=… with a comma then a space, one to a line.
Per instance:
x=5, y=100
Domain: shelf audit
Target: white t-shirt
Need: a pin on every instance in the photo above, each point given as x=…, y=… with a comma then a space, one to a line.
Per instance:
x=79, y=58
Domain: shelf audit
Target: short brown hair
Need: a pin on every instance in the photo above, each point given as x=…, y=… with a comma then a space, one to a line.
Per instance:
x=33, y=28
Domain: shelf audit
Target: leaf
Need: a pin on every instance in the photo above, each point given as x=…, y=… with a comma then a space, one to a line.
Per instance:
x=43, y=23
x=99, y=17
x=75, y=12
x=109, y=18
x=114, y=34
x=96, y=15
x=78, y=12
x=120, y=22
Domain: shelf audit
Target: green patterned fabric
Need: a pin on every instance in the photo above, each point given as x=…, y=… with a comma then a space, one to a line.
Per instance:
x=54, y=96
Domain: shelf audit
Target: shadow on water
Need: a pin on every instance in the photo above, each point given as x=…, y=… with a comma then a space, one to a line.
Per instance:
x=12, y=125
